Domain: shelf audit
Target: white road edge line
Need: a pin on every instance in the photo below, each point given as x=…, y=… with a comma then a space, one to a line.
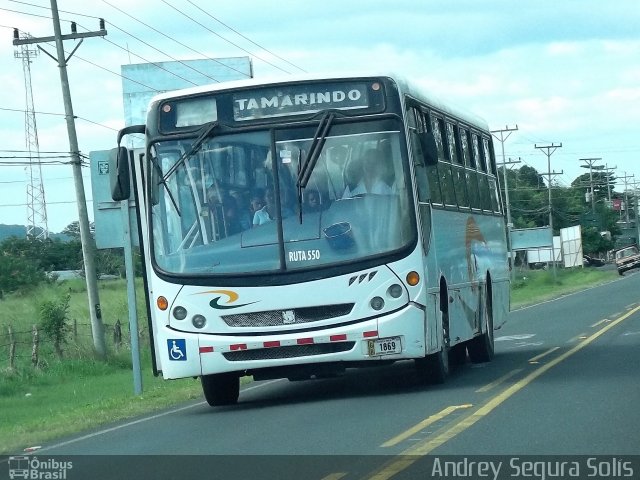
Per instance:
x=141, y=420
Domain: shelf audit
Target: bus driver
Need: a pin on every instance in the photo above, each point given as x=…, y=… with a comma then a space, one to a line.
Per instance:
x=371, y=166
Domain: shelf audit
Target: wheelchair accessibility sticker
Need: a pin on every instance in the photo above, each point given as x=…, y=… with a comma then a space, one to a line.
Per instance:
x=177, y=349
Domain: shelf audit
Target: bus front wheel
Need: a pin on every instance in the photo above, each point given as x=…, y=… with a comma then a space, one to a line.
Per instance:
x=434, y=368
x=221, y=388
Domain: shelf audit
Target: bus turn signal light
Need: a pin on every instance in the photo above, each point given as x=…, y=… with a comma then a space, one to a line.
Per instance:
x=413, y=278
x=162, y=303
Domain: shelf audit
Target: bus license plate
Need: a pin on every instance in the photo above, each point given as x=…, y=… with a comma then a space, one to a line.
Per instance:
x=384, y=346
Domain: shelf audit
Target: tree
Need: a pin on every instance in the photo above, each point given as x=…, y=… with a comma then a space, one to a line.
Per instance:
x=73, y=230
x=18, y=273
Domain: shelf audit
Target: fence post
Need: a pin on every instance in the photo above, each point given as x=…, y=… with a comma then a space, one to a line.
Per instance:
x=12, y=349
x=34, y=348
x=75, y=330
x=117, y=335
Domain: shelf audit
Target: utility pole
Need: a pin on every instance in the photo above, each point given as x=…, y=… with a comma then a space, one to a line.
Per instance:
x=609, y=170
x=550, y=149
x=88, y=245
x=626, y=198
x=508, y=130
x=504, y=166
x=636, y=194
x=589, y=165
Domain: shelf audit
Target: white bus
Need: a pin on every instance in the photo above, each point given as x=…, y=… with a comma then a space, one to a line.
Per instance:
x=297, y=228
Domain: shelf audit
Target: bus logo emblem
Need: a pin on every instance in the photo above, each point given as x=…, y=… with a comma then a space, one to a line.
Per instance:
x=288, y=317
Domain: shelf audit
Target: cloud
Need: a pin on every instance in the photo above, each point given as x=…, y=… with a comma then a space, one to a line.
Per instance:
x=563, y=71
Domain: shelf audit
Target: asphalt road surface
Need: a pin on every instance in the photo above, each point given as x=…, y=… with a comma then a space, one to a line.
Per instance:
x=564, y=381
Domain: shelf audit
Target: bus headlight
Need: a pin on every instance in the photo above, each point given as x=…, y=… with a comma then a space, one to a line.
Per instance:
x=198, y=321
x=377, y=303
x=394, y=291
x=179, y=313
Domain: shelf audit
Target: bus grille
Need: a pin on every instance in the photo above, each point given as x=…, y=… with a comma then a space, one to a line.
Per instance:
x=292, y=351
x=278, y=318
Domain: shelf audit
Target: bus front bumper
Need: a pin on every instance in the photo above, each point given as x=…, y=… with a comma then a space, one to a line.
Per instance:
x=396, y=336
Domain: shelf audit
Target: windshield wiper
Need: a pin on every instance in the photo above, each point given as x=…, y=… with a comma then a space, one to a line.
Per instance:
x=207, y=129
x=306, y=168
x=316, y=147
x=161, y=181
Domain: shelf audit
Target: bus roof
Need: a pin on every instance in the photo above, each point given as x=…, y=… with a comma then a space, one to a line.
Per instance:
x=405, y=86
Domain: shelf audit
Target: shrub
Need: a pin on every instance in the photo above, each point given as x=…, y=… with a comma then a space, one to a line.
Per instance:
x=53, y=320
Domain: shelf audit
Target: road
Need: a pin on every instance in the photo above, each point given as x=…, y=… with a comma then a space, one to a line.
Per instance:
x=564, y=381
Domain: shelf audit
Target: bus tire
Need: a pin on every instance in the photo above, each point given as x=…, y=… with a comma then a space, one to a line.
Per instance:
x=482, y=347
x=458, y=355
x=221, y=388
x=434, y=368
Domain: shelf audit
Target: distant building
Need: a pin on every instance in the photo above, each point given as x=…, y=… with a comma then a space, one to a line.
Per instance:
x=142, y=81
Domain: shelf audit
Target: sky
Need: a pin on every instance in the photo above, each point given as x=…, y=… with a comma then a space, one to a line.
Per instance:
x=563, y=71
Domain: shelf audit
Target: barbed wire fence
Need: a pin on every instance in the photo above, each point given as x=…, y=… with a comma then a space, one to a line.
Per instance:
x=22, y=348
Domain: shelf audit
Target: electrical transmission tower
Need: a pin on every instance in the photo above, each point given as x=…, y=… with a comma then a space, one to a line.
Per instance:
x=36, y=206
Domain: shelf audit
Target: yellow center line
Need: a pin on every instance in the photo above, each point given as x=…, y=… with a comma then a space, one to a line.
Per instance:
x=409, y=456
x=542, y=355
x=335, y=476
x=499, y=381
x=424, y=424
x=578, y=337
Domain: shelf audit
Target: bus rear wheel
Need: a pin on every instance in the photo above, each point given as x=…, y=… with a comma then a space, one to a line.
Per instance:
x=221, y=388
x=481, y=348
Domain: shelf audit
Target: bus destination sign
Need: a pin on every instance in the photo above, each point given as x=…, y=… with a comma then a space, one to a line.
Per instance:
x=298, y=100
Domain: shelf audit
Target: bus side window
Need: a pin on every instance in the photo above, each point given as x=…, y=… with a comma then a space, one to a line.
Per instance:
x=485, y=195
x=493, y=192
x=478, y=155
x=459, y=177
x=415, y=122
x=472, y=186
x=464, y=147
x=434, y=176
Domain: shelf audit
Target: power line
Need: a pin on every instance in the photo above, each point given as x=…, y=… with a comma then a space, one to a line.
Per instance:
x=155, y=64
x=48, y=203
x=25, y=13
x=223, y=38
x=18, y=110
x=48, y=8
x=151, y=46
x=109, y=41
x=246, y=38
x=144, y=42
x=172, y=39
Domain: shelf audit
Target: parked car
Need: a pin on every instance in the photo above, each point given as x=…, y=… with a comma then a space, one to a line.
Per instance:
x=590, y=261
x=627, y=258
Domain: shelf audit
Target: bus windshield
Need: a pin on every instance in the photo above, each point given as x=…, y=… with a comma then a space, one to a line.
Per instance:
x=235, y=205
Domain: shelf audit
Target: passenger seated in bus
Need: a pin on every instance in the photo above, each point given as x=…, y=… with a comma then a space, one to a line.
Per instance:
x=245, y=216
x=311, y=201
x=231, y=216
x=268, y=213
x=371, y=168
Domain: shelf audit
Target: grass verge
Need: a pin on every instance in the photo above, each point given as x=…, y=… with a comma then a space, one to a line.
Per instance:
x=535, y=286
x=77, y=394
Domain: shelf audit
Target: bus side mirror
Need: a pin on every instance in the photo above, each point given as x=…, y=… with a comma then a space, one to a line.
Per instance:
x=119, y=174
x=429, y=148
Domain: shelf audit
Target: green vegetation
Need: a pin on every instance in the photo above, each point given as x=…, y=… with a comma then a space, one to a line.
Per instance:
x=535, y=286
x=75, y=392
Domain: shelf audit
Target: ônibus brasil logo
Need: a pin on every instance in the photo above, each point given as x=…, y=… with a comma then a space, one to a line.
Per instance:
x=34, y=468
